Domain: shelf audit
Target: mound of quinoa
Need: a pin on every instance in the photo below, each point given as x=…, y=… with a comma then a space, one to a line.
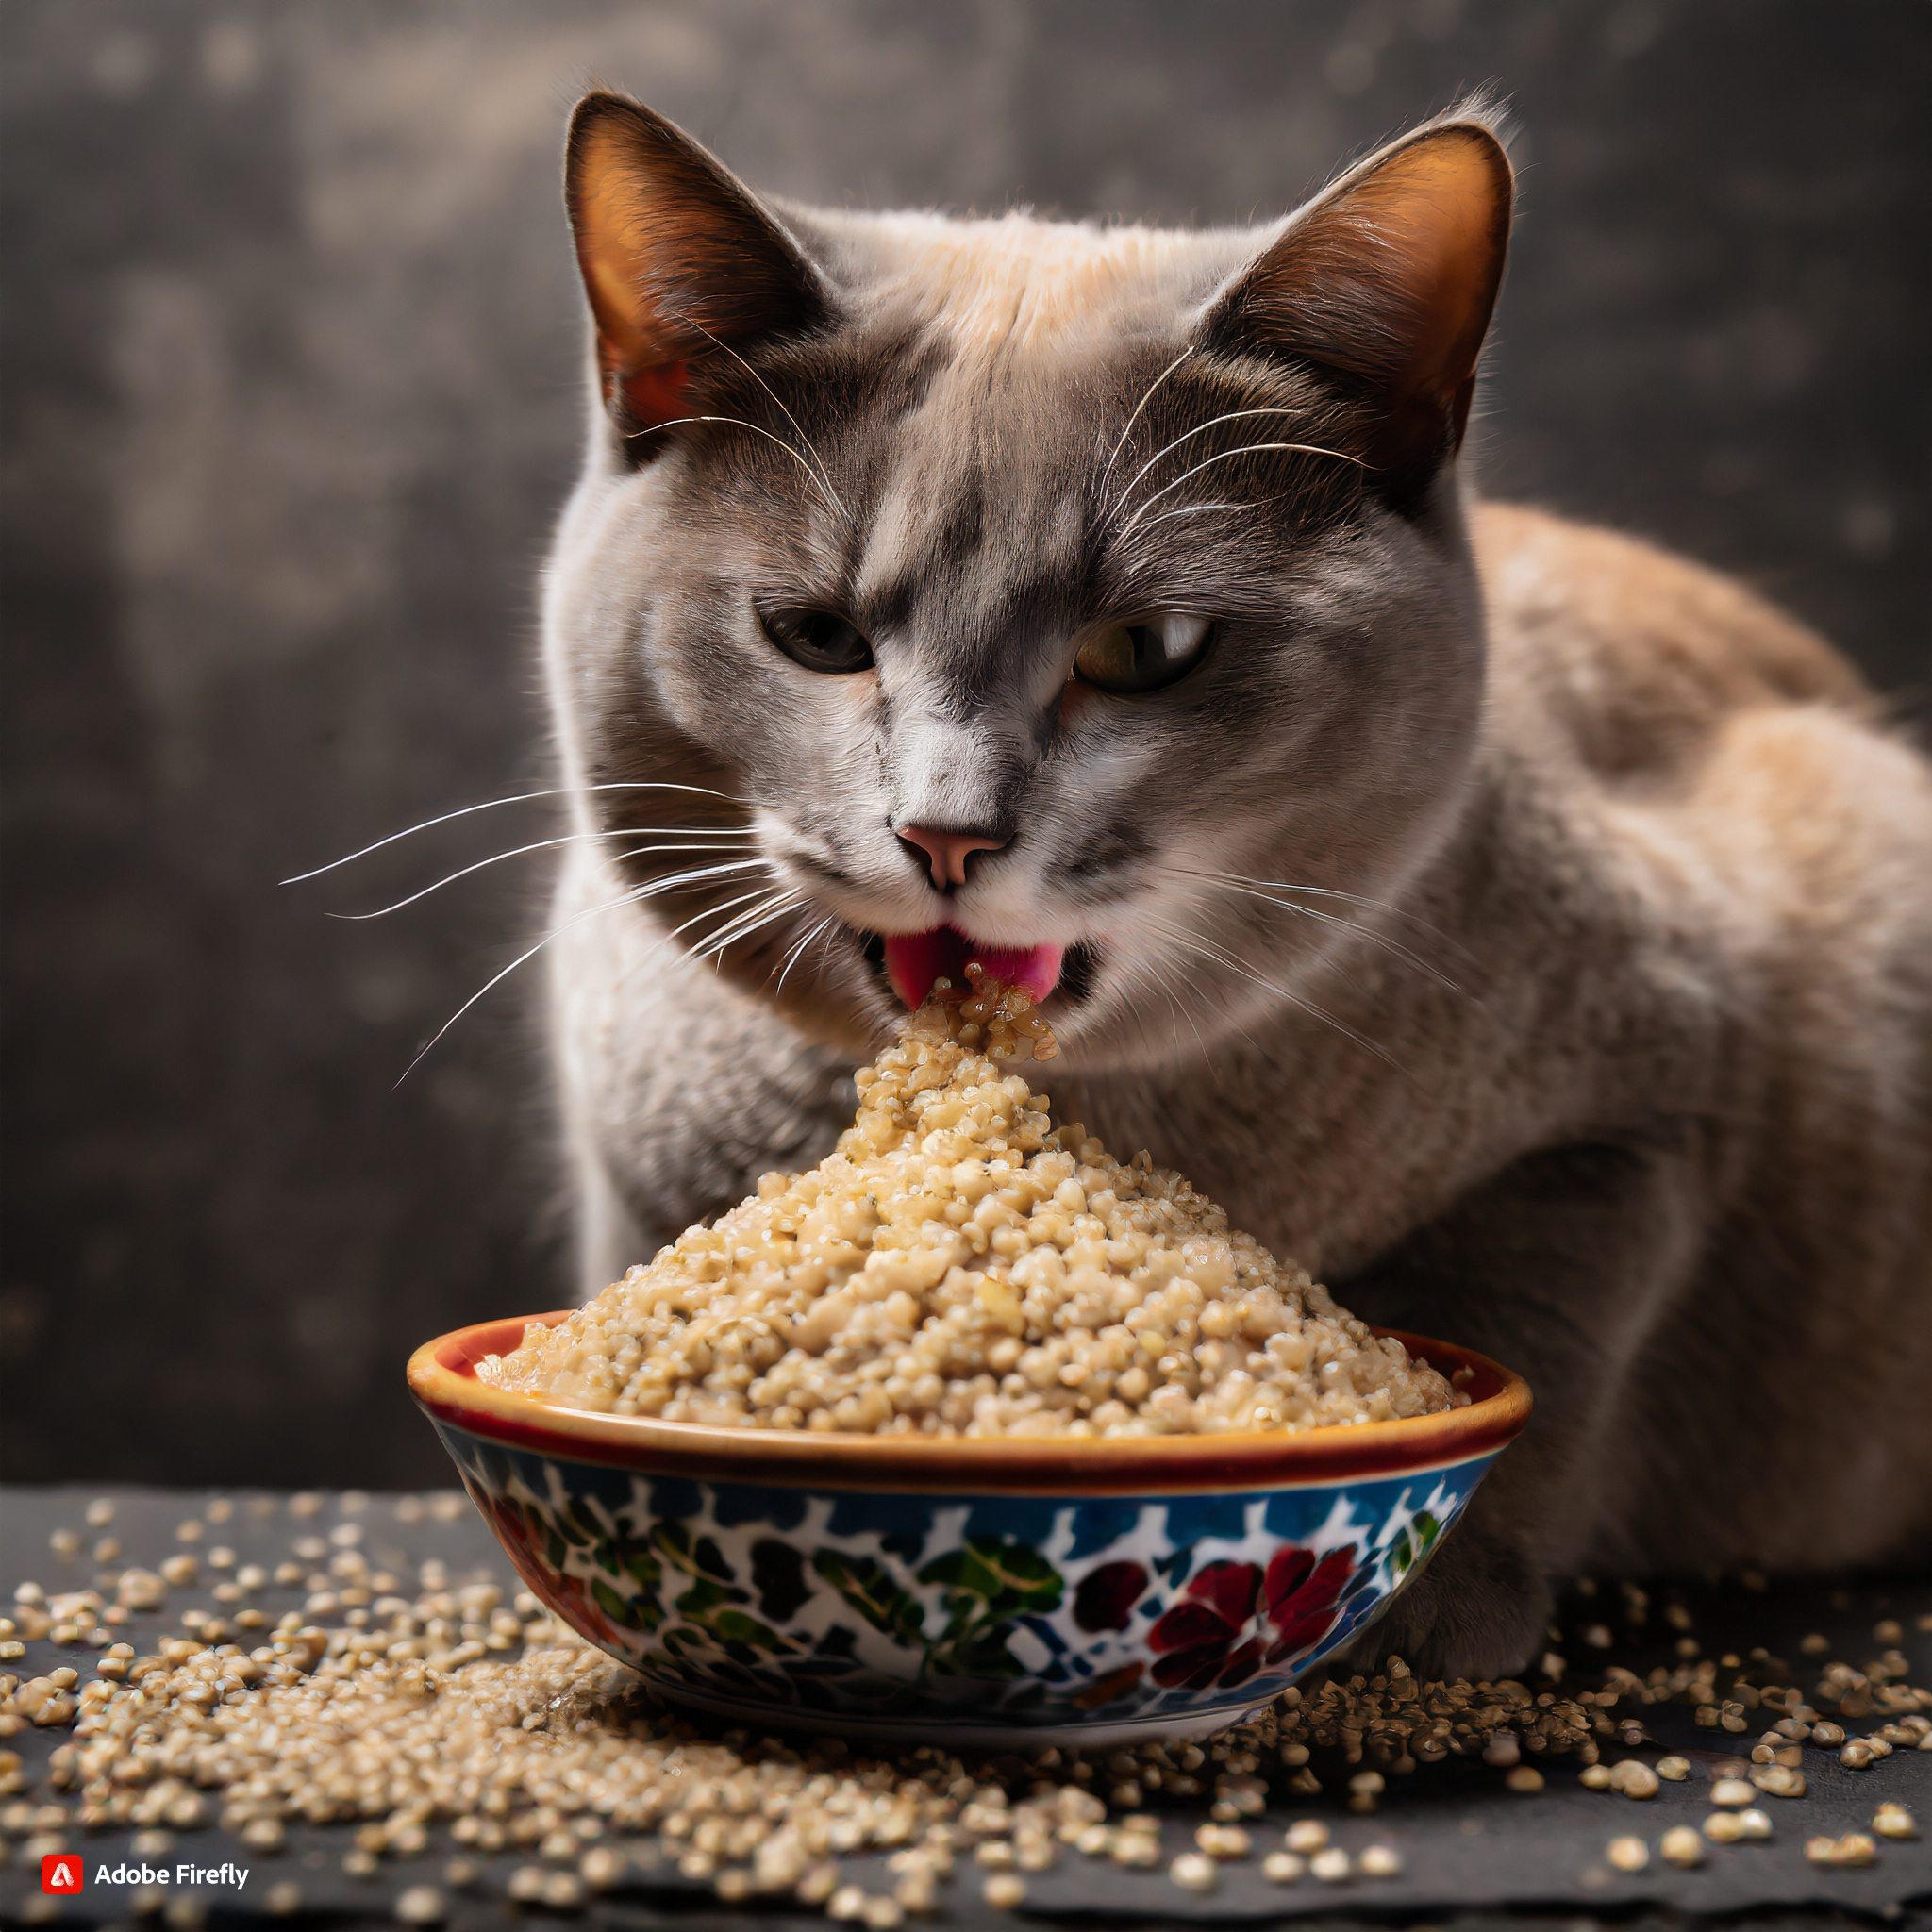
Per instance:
x=961, y=1267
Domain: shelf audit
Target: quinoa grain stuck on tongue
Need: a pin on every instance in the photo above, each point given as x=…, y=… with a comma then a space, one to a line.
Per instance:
x=961, y=1267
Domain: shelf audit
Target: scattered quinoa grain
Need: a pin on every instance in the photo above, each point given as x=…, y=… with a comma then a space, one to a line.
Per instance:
x=1005, y=1891
x=1681, y=1845
x=1735, y=1827
x=420, y=1904
x=1379, y=1862
x=1525, y=1778
x=1855, y=1848
x=1894, y=1821
x=562, y=1890
x=1628, y=1854
x=601, y=1867
x=1223, y=1840
x=1331, y=1866
x=260, y=1739
x=1194, y=1871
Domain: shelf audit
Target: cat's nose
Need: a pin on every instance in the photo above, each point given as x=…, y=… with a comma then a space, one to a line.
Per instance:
x=948, y=852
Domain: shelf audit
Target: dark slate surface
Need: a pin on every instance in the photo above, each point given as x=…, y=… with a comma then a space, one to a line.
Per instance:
x=290, y=398
x=1469, y=1844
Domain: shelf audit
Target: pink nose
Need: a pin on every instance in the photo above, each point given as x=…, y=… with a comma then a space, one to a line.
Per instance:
x=948, y=852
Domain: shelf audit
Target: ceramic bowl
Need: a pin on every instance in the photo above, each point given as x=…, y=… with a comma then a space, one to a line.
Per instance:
x=986, y=1592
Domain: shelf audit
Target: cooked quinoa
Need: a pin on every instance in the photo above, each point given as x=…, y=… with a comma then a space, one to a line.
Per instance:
x=961, y=1267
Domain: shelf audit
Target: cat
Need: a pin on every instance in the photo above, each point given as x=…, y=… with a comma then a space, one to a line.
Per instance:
x=1527, y=931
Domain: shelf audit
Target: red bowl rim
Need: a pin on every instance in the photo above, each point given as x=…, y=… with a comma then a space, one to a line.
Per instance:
x=444, y=1380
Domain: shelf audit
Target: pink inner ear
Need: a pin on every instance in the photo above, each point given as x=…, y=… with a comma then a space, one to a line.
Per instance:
x=656, y=394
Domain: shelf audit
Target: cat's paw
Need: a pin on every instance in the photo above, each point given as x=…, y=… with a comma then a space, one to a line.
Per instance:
x=1480, y=1609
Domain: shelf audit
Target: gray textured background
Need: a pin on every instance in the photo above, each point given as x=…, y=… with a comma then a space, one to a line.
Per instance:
x=289, y=395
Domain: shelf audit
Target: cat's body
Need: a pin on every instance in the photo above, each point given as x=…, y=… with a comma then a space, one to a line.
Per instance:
x=1560, y=985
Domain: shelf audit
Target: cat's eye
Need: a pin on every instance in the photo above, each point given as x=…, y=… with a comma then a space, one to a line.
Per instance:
x=1143, y=655
x=819, y=640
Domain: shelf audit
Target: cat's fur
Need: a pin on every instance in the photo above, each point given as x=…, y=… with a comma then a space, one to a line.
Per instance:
x=1595, y=1027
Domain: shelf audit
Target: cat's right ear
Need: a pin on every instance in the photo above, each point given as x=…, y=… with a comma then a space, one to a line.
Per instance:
x=677, y=257
x=1387, y=279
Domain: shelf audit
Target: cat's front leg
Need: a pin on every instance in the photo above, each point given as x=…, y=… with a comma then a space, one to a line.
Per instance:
x=1480, y=1608
x=1559, y=1268
x=677, y=1088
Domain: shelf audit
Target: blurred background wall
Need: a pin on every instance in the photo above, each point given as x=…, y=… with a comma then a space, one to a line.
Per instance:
x=290, y=394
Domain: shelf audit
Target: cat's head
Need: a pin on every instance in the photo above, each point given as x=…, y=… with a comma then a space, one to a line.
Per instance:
x=1098, y=596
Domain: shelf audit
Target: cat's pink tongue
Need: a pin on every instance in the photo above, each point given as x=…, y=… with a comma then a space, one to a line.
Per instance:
x=915, y=960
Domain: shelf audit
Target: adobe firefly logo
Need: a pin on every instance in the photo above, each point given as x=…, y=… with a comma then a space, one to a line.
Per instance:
x=61, y=1874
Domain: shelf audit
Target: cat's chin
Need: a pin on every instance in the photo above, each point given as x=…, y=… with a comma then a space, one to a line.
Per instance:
x=914, y=961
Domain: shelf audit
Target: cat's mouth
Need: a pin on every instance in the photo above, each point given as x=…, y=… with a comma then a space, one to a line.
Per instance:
x=912, y=962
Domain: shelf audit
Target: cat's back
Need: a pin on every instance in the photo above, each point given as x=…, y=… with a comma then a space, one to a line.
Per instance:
x=1730, y=778
x=1636, y=656
x=1656, y=689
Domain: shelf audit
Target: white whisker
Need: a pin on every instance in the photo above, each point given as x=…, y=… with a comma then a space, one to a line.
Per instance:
x=541, y=845
x=1176, y=1007
x=1229, y=962
x=677, y=881
x=1199, y=429
x=825, y=475
x=492, y=804
x=498, y=978
x=833, y=928
x=1194, y=509
x=656, y=887
x=702, y=913
x=1228, y=884
x=1146, y=397
x=1247, y=449
x=797, y=952
x=1300, y=891
x=756, y=429
x=771, y=917
x=755, y=919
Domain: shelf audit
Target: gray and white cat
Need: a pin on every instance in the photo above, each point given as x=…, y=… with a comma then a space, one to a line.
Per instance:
x=1529, y=933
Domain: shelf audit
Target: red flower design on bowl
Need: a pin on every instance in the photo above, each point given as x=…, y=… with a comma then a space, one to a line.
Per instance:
x=1237, y=1617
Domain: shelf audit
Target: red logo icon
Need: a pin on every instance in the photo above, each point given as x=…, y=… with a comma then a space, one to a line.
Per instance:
x=61, y=1872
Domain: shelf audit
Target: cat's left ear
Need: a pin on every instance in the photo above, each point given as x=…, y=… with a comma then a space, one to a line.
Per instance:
x=677, y=257
x=1387, y=278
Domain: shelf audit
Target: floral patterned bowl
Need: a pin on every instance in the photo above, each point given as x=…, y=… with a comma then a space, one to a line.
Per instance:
x=988, y=1592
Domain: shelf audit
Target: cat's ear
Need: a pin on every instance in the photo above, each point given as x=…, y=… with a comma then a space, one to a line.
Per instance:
x=677, y=257
x=1387, y=278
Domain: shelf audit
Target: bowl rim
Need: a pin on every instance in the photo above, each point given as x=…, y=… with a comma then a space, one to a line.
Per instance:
x=442, y=1379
